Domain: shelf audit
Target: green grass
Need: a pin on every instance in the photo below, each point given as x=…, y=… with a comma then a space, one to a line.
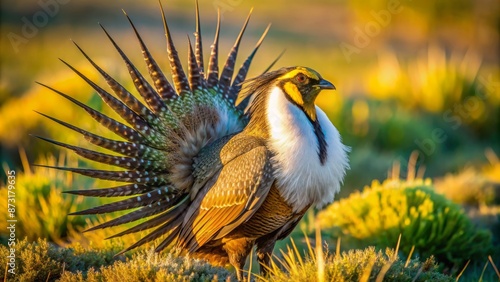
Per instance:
x=42, y=261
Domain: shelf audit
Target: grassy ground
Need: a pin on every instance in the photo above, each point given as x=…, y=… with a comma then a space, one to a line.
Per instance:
x=421, y=90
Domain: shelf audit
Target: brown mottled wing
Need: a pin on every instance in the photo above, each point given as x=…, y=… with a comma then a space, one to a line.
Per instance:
x=229, y=199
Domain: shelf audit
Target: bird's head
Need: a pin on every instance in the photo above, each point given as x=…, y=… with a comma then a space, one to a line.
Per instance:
x=300, y=85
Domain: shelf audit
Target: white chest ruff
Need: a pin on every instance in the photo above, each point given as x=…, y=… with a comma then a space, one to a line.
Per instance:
x=301, y=178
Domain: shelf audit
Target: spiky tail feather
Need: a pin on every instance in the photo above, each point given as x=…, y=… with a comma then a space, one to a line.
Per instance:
x=162, y=135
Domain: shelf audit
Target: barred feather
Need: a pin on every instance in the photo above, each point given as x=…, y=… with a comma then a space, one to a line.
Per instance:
x=170, y=228
x=174, y=229
x=164, y=88
x=242, y=73
x=131, y=176
x=122, y=93
x=227, y=71
x=118, y=191
x=120, y=108
x=165, y=217
x=113, y=125
x=198, y=45
x=213, y=65
x=125, y=148
x=164, y=132
x=124, y=162
x=244, y=103
x=143, y=87
x=156, y=196
x=178, y=75
x=144, y=212
x=195, y=75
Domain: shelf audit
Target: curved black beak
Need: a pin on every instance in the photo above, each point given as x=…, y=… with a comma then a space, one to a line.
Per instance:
x=325, y=84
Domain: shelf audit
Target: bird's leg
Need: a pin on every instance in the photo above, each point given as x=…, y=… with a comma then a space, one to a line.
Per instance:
x=264, y=252
x=239, y=275
x=238, y=261
x=238, y=251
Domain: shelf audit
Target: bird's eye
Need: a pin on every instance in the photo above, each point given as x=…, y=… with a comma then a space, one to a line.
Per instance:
x=301, y=78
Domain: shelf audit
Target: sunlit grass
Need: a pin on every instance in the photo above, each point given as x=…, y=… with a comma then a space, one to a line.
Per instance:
x=41, y=208
x=473, y=186
x=315, y=263
x=435, y=82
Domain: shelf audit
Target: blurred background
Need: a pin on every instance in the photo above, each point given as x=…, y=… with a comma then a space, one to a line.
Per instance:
x=418, y=85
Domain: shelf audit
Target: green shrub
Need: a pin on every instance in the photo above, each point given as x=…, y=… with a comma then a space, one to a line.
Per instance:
x=427, y=221
x=478, y=190
x=42, y=261
x=151, y=266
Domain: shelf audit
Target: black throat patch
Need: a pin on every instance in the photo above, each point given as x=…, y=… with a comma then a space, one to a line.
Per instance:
x=320, y=136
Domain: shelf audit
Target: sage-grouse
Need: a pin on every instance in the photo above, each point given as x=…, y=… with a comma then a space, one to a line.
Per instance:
x=215, y=163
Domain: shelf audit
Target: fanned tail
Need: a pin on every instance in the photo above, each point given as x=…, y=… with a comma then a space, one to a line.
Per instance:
x=161, y=136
